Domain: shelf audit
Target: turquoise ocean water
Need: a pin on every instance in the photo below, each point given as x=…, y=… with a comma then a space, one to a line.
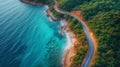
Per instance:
x=27, y=37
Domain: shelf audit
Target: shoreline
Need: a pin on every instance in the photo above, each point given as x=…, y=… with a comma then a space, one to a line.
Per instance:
x=49, y=13
x=51, y=16
x=69, y=51
x=71, y=40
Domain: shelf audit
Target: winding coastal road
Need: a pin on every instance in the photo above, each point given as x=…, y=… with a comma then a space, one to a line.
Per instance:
x=90, y=36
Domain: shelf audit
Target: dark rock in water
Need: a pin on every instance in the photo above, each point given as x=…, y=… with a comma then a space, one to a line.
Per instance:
x=36, y=2
x=32, y=2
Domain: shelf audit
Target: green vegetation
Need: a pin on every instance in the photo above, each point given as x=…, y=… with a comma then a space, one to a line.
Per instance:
x=68, y=5
x=106, y=27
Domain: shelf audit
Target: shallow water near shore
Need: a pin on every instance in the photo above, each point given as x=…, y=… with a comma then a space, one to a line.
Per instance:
x=27, y=37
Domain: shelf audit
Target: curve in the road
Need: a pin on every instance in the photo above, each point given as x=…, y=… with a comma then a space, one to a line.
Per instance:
x=90, y=36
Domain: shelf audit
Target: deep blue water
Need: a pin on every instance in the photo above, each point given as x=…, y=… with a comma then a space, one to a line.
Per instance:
x=27, y=37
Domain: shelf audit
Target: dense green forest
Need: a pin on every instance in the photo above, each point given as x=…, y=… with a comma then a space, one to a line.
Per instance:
x=103, y=17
